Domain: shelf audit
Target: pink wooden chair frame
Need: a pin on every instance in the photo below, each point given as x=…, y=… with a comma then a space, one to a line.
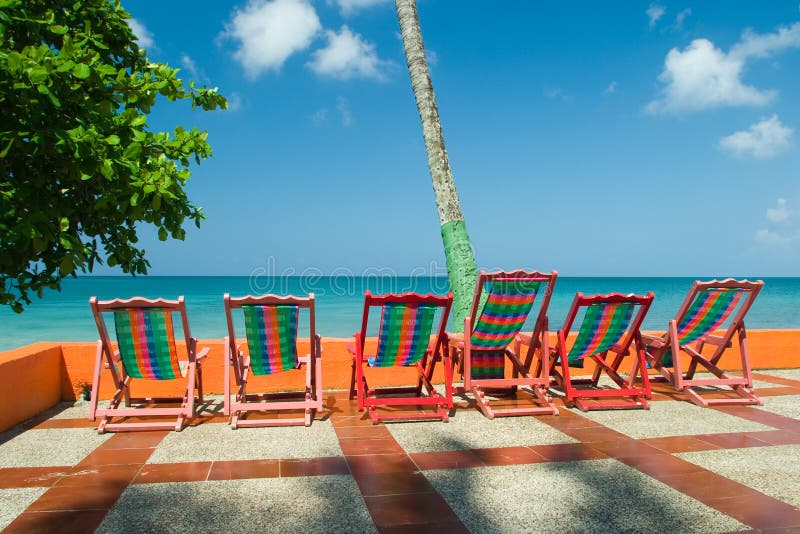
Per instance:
x=684, y=381
x=536, y=341
x=236, y=359
x=121, y=379
x=625, y=388
x=373, y=398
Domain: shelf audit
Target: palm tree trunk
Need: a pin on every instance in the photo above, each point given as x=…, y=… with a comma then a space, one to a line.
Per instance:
x=462, y=270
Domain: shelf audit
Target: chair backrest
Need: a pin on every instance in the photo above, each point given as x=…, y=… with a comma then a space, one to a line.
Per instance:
x=407, y=322
x=709, y=305
x=509, y=299
x=145, y=334
x=271, y=324
x=608, y=320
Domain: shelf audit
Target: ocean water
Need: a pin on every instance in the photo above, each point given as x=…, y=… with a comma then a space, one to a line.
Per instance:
x=65, y=315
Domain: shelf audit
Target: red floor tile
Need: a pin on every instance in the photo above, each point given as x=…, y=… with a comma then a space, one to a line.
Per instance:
x=393, y=484
x=380, y=463
x=351, y=420
x=508, y=456
x=65, y=423
x=568, y=452
x=766, y=377
x=106, y=475
x=99, y=496
x=177, y=472
x=759, y=511
x=362, y=432
x=115, y=457
x=678, y=444
x=777, y=437
x=661, y=465
x=334, y=465
x=134, y=440
x=625, y=448
x=735, y=440
x=446, y=459
x=441, y=527
x=30, y=477
x=56, y=522
x=354, y=446
x=236, y=469
x=705, y=485
x=408, y=509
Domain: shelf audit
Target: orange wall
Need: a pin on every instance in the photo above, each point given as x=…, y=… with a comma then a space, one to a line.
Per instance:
x=30, y=382
x=36, y=377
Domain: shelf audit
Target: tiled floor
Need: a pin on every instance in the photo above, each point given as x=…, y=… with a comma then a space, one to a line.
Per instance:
x=674, y=468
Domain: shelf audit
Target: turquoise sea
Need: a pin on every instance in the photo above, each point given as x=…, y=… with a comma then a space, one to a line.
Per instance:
x=66, y=316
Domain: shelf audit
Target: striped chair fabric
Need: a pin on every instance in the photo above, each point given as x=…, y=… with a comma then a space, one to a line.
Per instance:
x=404, y=334
x=271, y=338
x=603, y=326
x=146, y=341
x=507, y=306
x=709, y=310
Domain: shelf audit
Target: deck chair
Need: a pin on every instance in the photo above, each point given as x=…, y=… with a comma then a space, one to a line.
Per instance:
x=491, y=338
x=271, y=324
x=146, y=350
x=707, y=307
x=407, y=323
x=608, y=332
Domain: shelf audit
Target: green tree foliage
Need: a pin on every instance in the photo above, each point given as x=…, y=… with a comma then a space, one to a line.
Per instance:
x=79, y=168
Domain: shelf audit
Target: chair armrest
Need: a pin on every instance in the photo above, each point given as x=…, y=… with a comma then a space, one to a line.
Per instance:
x=525, y=339
x=715, y=340
x=655, y=341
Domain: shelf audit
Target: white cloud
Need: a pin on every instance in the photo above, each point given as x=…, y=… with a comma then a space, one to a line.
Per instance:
x=190, y=66
x=681, y=17
x=611, y=89
x=346, y=56
x=702, y=76
x=764, y=139
x=556, y=93
x=350, y=6
x=655, y=12
x=319, y=116
x=344, y=111
x=234, y=101
x=142, y=34
x=771, y=237
x=268, y=32
x=780, y=213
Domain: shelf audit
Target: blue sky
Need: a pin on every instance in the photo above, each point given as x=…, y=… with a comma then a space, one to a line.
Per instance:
x=595, y=138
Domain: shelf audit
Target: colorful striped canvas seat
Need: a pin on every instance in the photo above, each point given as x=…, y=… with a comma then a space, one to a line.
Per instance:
x=146, y=342
x=405, y=334
x=603, y=326
x=710, y=309
x=507, y=306
x=271, y=338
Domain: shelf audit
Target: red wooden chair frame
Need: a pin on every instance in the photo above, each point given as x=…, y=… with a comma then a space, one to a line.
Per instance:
x=236, y=359
x=537, y=342
x=683, y=380
x=626, y=388
x=371, y=399
x=122, y=381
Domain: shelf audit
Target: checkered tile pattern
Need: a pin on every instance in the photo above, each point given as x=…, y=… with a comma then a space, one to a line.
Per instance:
x=675, y=468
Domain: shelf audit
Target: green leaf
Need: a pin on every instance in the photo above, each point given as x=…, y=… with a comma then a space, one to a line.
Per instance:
x=139, y=120
x=112, y=139
x=4, y=152
x=107, y=169
x=81, y=71
x=156, y=202
x=63, y=224
x=134, y=199
x=66, y=266
x=133, y=151
x=59, y=30
x=162, y=234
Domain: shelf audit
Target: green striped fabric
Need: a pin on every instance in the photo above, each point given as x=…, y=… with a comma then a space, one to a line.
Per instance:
x=404, y=335
x=271, y=338
x=603, y=325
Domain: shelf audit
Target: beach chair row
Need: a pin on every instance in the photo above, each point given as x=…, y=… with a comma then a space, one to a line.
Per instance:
x=601, y=336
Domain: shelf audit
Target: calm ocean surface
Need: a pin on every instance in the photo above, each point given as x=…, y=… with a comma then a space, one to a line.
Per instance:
x=66, y=316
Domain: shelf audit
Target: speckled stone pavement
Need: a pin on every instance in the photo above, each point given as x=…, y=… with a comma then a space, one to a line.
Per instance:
x=675, y=468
